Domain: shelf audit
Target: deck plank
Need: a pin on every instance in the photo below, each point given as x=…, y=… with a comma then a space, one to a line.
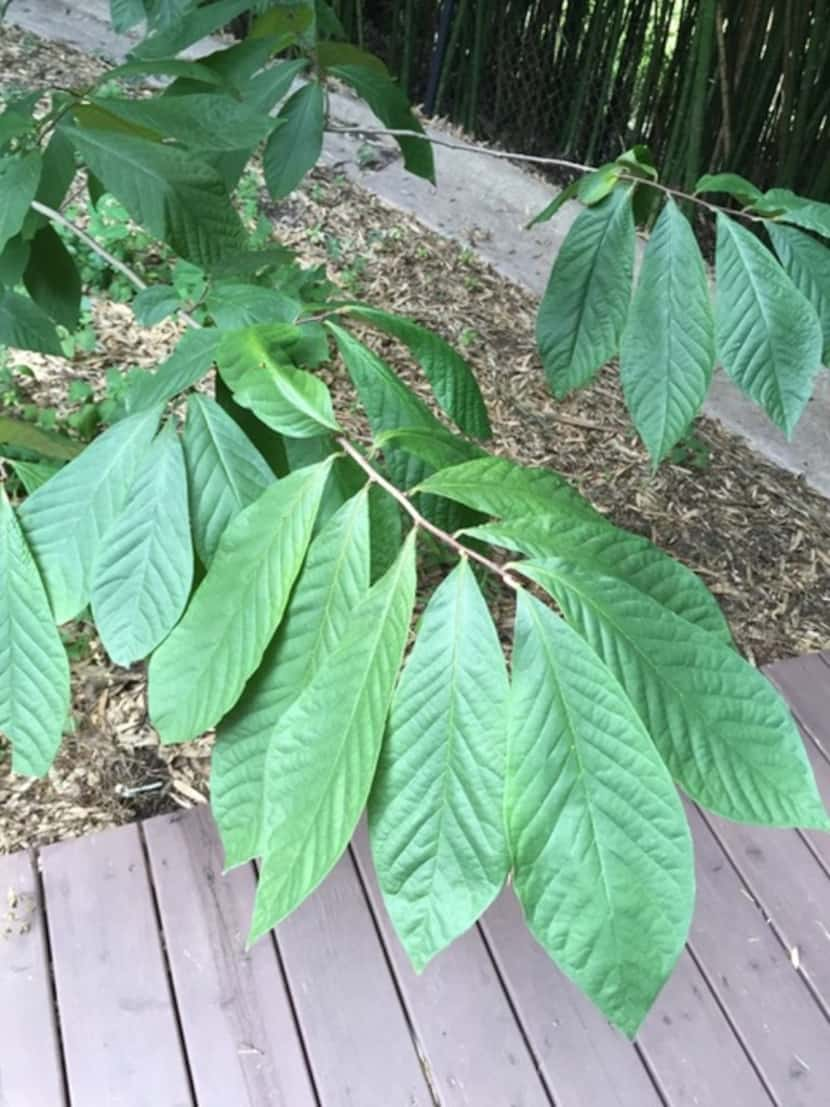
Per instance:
x=242, y=1042
x=460, y=1014
x=27, y=1009
x=355, y=1031
x=118, y=1024
x=777, y=1017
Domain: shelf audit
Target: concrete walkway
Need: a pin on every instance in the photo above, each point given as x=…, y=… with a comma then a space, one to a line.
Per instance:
x=484, y=203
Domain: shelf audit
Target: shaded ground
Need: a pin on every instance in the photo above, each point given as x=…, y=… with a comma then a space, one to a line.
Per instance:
x=758, y=537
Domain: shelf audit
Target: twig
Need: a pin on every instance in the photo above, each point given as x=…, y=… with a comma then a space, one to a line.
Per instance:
x=418, y=519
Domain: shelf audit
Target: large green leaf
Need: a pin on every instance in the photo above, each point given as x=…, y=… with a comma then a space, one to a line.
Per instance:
x=389, y=103
x=266, y=89
x=195, y=71
x=26, y=326
x=295, y=146
x=668, y=346
x=66, y=520
x=52, y=279
x=143, y=574
x=234, y=304
x=585, y=305
x=597, y=545
x=34, y=671
x=726, y=735
x=334, y=578
x=452, y=380
x=167, y=190
x=33, y=474
x=320, y=765
x=27, y=436
x=786, y=206
x=768, y=335
x=199, y=672
x=225, y=472
x=732, y=184
x=435, y=814
x=196, y=25
x=19, y=177
x=204, y=120
x=437, y=447
x=190, y=361
x=602, y=854
x=807, y=263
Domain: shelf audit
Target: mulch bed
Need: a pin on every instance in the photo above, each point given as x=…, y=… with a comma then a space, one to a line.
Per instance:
x=758, y=536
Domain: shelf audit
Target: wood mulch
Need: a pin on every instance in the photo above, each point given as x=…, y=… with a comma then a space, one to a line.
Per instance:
x=758, y=536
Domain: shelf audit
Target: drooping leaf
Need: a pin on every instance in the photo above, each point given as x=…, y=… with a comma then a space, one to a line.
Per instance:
x=452, y=380
x=13, y=261
x=196, y=25
x=225, y=472
x=726, y=735
x=585, y=305
x=320, y=765
x=19, y=177
x=198, y=673
x=272, y=85
x=66, y=520
x=436, y=807
x=599, y=184
x=334, y=578
x=27, y=436
x=601, y=851
x=56, y=176
x=125, y=14
x=389, y=103
x=768, y=335
x=33, y=474
x=51, y=278
x=203, y=120
x=26, y=326
x=189, y=362
x=668, y=346
x=143, y=574
x=807, y=263
x=269, y=443
x=34, y=671
x=169, y=191
x=437, y=447
x=559, y=201
x=295, y=145
x=732, y=184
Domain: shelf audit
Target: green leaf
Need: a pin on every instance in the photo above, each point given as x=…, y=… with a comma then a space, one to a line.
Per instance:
x=167, y=190
x=272, y=85
x=288, y=400
x=333, y=580
x=204, y=120
x=298, y=19
x=225, y=472
x=782, y=204
x=155, y=303
x=452, y=380
x=585, y=305
x=807, y=264
x=167, y=67
x=26, y=436
x=435, y=813
x=198, y=673
x=602, y=855
x=26, y=326
x=34, y=671
x=437, y=447
x=19, y=178
x=559, y=201
x=198, y=24
x=743, y=190
x=726, y=735
x=389, y=103
x=597, y=546
x=330, y=54
x=668, y=346
x=66, y=520
x=125, y=14
x=143, y=574
x=189, y=362
x=33, y=474
x=769, y=336
x=234, y=305
x=56, y=176
x=320, y=765
x=13, y=124
x=599, y=184
x=51, y=278
x=295, y=146
x=13, y=261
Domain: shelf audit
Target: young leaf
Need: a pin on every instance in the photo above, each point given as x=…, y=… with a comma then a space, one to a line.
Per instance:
x=435, y=812
x=295, y=145
x=389, y=103
x=668, y=346
x=143, y=574
x=26, y=326
x=452, y=380
x=585, y=305
x=225, y=472
x=807, y=264
x=724, y=732
x=559, y=201
x=34, y=671
x=320, y=765
x=602, y=854
x=19, y=177
x=334, y=578
x=769, y=336
x=198, y=673
x=66, y=520
x=196, y=25
x=189, y=362
x=733, y=185
x=175, y=196
x=52, y=279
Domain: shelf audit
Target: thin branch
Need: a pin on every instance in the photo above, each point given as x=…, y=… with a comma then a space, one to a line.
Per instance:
x=418, y=519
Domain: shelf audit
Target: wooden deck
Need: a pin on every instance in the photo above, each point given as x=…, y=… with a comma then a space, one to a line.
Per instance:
x=123, y=982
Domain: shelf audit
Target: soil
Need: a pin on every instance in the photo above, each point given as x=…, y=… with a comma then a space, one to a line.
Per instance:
x=756, y=535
